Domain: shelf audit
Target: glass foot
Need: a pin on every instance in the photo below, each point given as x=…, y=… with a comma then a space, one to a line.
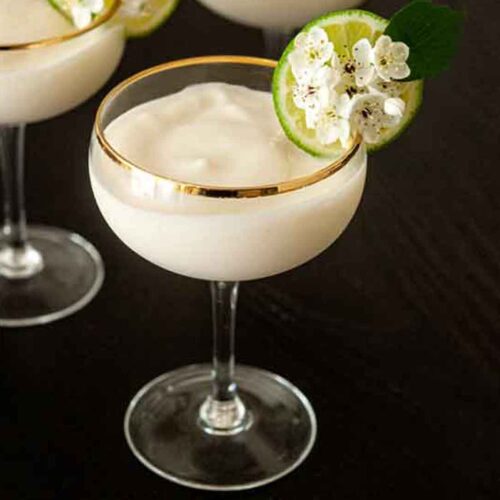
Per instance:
x=68, y=276
x=163, y=429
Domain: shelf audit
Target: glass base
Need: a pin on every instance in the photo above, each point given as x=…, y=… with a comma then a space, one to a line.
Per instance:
x=68, y=276
x=163, y=429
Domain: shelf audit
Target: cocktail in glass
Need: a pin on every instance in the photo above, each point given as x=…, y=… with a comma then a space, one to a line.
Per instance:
x=219, y=427
x=277, y=18
x=47, y=67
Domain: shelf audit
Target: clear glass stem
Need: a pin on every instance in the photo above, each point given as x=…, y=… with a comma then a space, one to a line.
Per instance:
x=223, y=411
x=18, y=259
x=275, y=42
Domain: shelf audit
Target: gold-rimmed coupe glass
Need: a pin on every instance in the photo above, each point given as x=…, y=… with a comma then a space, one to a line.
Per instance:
x=220, y=426
x=47, y=273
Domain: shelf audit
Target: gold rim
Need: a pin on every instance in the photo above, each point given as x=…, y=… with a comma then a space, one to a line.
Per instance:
x=69, y=36
x=200, y=189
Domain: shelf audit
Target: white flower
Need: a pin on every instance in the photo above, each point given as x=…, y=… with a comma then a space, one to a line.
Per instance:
x=373, y=113
x=364, y=62
x=332, y=123
x=311, y=95
x=82, y=11
x=312, y=50
x=345, y=67
x=390, y=59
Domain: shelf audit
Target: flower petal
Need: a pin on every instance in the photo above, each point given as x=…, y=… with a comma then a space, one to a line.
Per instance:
x=301, y=68
x=382, y=44
x=399, y=51
x=300, y=96
x=362, y=52
x=366, y=116
x=301, y=40
x=328, y=132
x=82, y=16
x=327, y=53
x=323, y=96
x=335, y=63
x=344, y=106
x=326, y=77
x=317, y=36
x=384, y=72
x=399, y=71
x=312, y=51
x=344, y=132
x=395, y=107
x=312, y=115
x=371, y=134
x=364, y=76
x=363, y=60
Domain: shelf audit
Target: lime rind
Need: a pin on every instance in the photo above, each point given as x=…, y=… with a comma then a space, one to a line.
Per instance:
x=293, y=124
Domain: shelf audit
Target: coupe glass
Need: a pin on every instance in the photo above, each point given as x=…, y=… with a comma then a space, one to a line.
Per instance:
x=47, y=273
x=277, y=18
x=219, y=426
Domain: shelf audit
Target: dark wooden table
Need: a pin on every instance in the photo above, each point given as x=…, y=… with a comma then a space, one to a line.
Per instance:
x=393, y=332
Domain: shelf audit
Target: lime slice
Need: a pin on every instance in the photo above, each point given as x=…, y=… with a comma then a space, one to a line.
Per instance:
x=142, y=17
x=344, y=29
x=64, y=7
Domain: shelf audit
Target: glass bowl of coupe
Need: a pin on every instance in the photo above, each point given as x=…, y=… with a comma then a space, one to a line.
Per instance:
x=54, y=55
x=276, y=18
x=240, y=202
x=46, y=273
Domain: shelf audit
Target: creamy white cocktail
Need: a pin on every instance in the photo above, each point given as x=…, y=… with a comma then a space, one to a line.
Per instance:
x=192, y=170
x=279, y=15
x=36, y=84
x=219, y=135
x=48, y=66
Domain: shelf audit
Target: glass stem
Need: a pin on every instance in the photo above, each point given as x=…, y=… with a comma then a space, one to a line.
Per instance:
x=224, y=301
x=223, y=411
x=18, y=259
x=275, y=42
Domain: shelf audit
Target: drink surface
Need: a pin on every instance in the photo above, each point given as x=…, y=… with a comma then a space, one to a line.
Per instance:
x=276, y=14
x=28, y=20
x=38, y=83
x=214, y=134
x=221, y=135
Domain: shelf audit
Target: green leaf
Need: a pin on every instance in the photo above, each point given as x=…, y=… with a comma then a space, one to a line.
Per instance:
x=432, y=32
